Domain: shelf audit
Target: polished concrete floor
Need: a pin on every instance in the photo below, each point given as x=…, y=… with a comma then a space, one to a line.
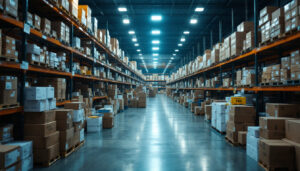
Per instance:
x=163, y=136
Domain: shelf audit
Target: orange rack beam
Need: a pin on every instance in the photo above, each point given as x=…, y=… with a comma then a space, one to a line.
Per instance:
x=99, y=97
x=11, y=111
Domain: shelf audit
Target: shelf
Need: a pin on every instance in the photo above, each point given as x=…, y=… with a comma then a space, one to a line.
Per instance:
x=258, y=51
x=11, y=111
x=255, y=89
x=62, y=103
x=155, y=80
x=99, y=97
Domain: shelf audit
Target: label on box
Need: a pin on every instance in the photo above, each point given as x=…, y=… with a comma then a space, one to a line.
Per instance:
x=26, y=28
x=44, y=37
x=12, y=2
x=13, y=94
x=8, y=86
x=24, y=65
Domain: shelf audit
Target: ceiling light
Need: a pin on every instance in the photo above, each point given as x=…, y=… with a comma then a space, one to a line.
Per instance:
x=155, y=32
x=155, y=54
x=172, y=58
x=199, y=9
x=136, y=44
x=193, y=21
x=141, y=58
x=154, y=62
x=155, y=59
x=122, y=9
x=134, y=39
x=174, y=54
x=126, y=21
x=155, y=48
x=131, y=32
x=138, y=50
x=156, y=17
x=180, y=44
x=155, y=41
x=186, y=32
x=182, y=39
x=176, y=50
x=140, y=54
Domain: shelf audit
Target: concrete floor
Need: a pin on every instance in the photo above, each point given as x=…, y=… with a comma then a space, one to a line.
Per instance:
x=164, y=136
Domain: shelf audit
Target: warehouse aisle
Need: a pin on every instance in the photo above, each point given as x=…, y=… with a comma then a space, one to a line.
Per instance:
x=164, y=136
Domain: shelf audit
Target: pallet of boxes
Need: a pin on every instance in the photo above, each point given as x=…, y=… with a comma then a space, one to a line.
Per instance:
x=279, y=137
x=40, y=124
x=8, y=92
x=218, y=117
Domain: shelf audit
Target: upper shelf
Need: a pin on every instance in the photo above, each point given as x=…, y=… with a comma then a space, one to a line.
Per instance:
x=267, y=50
x=254, y=89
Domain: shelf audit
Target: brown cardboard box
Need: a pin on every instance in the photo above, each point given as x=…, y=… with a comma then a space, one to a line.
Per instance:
x=39, y=117
x=11, y=7
x=267, y=10
x=60, y=29
x=77, y=126
x=65, y=139
x=242, y=113
x=6, y=131
x=37, y=21
x=8, y=97
x=8, y=82
x=9, y=155
x=272, y=128
x=74, y=105
x=64, y=114
x=43, y=142
x=76, y=138
x=46, y=26
x=238, y=126
x=242, y=137
x=292, y=128
x=108, y=122
x=197, y=110
x=245, y=26
x=40, y=129
x=46, y=155
x=282, y=110
x=9, y=47
x=276, y=154
x=297, y=152
x=208, y=112
x=232, y=135
x=62, y=125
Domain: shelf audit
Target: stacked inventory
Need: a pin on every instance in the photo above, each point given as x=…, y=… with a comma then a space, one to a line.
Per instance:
x=218, y=118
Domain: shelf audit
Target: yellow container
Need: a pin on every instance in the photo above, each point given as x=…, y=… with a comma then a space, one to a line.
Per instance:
x=238, y=100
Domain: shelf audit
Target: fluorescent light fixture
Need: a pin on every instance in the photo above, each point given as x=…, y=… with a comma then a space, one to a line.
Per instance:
x=134, y=39
x=174, y=54
x=155, y=32
x=126, y=21
x=176, y=50
x=180, y=44
x=141, y=58
x=155, y=48
x=182, y=39
x=156, y=17
x=155, y=54
x=199, y=9
x=155, y=41
x=155, y=59
x=122, y=9
x=154, y=62
x=136, y=44
x=140, y=54
x=186, y=32
x=138, y=50
x=193, y=21
x=172, y=58
x=131, y=32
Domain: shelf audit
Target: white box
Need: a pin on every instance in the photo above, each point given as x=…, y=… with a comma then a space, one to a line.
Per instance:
x=47, y=105
x=78, y=115
x=50, y=92
x=35, y=93
x=52, y=103
x=33, y=49
x=253, y=131
x=27, y=164
x=35, y=105
x=252, y=141
x=81, y=135
x=25, y=148
x=91, y=129
x=97, y=121
x=252, y=152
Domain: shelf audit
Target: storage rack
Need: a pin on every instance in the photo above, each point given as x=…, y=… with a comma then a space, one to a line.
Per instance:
x=160, y=84
x=256, y=57
x=22, y=31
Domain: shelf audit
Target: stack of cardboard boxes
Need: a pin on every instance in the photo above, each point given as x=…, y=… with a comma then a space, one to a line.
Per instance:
x=8, y=90
x=11, y=7
x=10, y=156
x=252, y=142
x=208, y=111
x=265, y=22
x=295, y=65
x=292, y=16
x=277, y=23
x=6, y=132
x=240, y=117
x=218, y=118
x=74, y=8
x=8, y=47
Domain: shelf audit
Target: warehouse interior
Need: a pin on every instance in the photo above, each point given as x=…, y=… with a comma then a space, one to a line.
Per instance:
x=149, y=85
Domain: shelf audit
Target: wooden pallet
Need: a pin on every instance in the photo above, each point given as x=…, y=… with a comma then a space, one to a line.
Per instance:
x=278, y=37
x=72, y=149
x=291, y=32
x=231, y=142
x=222, y=133
x=270, y=168
x=265, y=43
x=38, y=63
x=246, y=51
x=49, y=163
x=273, y=84
x=8, y=106
x=291, y=82
x=8, y=59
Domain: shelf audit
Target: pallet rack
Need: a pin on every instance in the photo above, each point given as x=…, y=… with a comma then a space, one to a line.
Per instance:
x=255, y=57
x=25, y=33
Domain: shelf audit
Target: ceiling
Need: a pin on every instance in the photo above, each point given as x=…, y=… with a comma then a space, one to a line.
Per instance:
x=176, y=15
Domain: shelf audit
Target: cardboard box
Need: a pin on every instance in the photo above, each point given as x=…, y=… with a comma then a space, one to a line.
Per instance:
x=46, y=155
x=9, y=155
x=36, y=105
x=282, y=110
x=208, y=109
x=8, y=97
x=6, y=131
x=64, y=114
x=37, y=21
x=35, y=93
x=39, y=117
x=276, y=154
x=297, y=152
x=272, y=128
x=74, y=105
x=40, y=129
x=8, y=83
x=25, y=148
x=11, y=7
x=242, y=137
x=292, y=128
x=65, y=139
x=108, y=122
x=242, y=114
x=76, y=138
x=40, y=142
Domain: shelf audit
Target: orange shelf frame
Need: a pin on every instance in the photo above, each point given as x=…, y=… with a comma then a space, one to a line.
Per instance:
x=99, y=97
x=11, y=111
